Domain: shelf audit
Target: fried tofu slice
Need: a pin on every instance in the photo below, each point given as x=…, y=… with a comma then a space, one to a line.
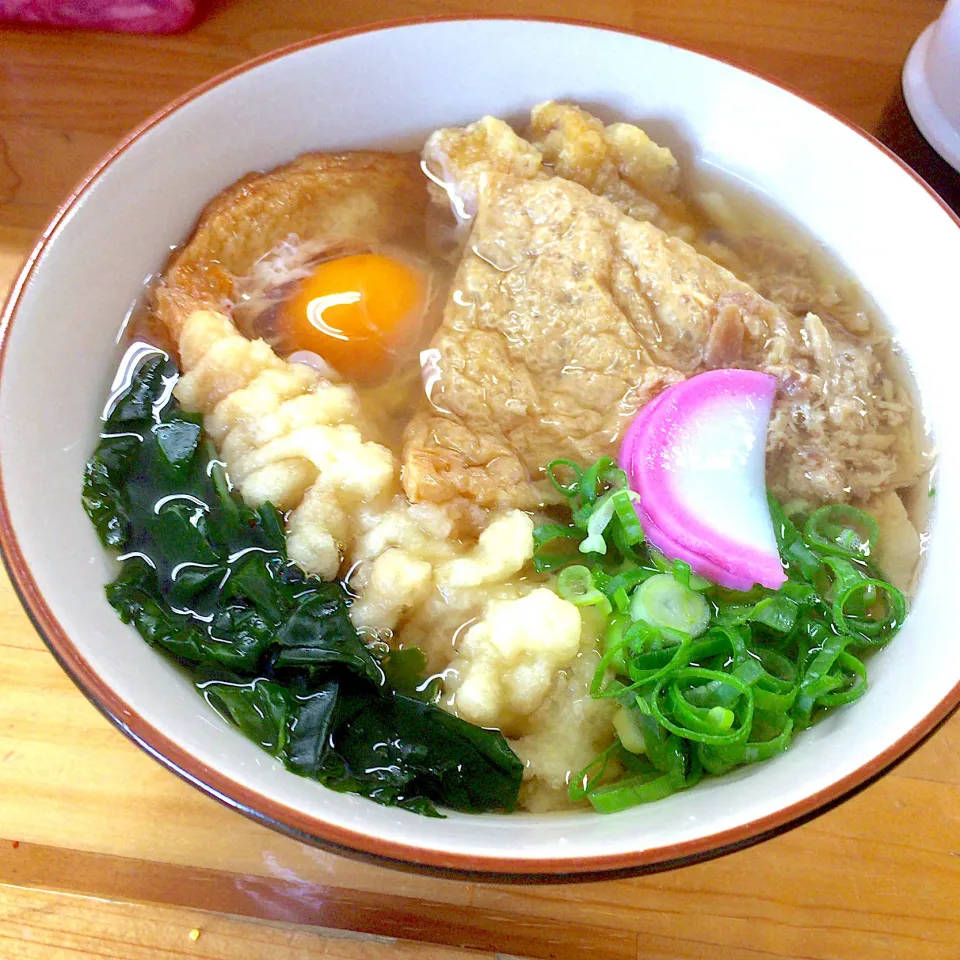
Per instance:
x=567, y=316
x=361, y=196
x=898, y=549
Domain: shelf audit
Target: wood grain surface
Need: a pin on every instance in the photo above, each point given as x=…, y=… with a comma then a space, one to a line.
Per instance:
x=84, y=812
x=33, y=923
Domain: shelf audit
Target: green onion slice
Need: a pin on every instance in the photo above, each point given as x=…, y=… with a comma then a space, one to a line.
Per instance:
x=623, y=505
x=598, y=520
x=869, y=610
x=626, y=580
x=664, y=602
x=614, y=648
x=672, y=709
x=576, y=585
x=549, y=540
x=681, y=572
x=855, y=682
x=770, y=735
x=842, y=531
x=817, y=679
x=667, y=752
x=797, y=557
x=631, y=791
x=758, y=748
x=647, y=653
x=570, y=489
x=603, y=475
x=775, y=611
x=585, y=781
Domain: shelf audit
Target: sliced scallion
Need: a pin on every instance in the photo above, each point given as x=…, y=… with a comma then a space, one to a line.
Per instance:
x=576, y=585
x=567, y=489
x=843, y=531
x=553, y=546
x=599, y=519
x=623, y=794
x=664, y=602
x=674, y=711
x=623, y=505
x=706, y=678
x=871, y=611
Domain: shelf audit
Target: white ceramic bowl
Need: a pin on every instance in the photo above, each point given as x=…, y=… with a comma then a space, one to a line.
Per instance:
x=387, y=88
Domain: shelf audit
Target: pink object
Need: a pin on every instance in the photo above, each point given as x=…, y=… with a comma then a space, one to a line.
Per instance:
x=634, y=439
x=129, y=16
x=695, y=455
x=701, y=566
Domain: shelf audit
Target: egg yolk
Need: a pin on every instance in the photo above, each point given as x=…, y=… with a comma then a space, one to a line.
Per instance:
x=357, y=312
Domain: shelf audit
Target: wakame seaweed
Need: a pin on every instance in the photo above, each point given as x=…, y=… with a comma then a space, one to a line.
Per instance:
x=206, y=580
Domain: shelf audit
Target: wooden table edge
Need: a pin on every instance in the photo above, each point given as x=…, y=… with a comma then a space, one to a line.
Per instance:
x=125, y=879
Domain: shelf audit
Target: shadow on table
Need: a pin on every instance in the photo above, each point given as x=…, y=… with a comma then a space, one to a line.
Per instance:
x=897, y=130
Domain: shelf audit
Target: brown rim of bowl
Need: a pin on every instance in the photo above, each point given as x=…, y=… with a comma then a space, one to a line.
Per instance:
x=337, y=839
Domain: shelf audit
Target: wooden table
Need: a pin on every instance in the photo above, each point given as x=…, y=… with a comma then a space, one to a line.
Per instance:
x=84, y=812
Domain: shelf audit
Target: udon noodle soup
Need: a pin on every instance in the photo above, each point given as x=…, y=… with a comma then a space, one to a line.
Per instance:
x=519, y=473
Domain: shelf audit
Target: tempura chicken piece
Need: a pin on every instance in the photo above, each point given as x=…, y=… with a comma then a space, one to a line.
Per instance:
x=508, y=661
x=292, y=438
x=287, y=436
